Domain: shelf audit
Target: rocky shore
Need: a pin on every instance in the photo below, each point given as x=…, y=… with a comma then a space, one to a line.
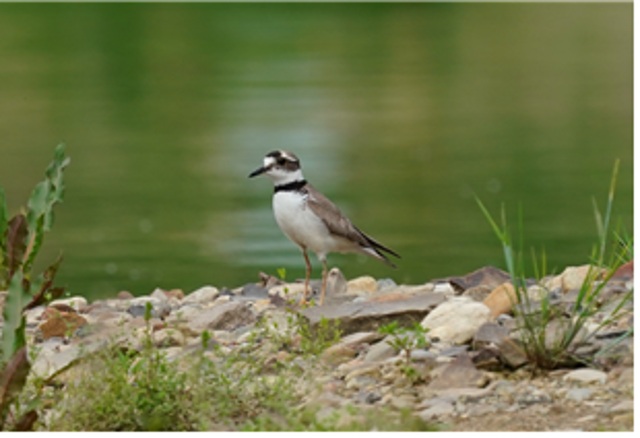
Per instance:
x=471, y=375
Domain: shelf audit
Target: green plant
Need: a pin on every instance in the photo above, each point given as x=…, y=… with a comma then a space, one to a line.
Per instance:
x=20, y=241
x=406, y=339
x=546, y=348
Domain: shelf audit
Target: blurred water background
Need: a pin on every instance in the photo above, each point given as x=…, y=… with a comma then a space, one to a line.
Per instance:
x=400, y=113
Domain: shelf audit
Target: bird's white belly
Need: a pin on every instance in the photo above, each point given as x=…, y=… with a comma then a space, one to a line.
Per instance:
x=302, y=226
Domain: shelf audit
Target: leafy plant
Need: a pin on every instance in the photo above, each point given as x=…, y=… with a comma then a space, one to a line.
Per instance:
x=406, y=339
x=547, y=348
x=20, y=241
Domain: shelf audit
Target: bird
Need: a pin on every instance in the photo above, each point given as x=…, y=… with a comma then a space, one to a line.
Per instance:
x=310, y=220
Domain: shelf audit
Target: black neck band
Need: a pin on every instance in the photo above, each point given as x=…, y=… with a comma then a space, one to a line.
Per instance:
x=293, y=186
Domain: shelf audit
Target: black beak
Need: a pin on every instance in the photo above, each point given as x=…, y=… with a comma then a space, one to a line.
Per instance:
x=258, y=172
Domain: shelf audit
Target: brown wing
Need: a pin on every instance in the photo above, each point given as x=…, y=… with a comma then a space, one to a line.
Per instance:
x=339, y=225
x=333, y=218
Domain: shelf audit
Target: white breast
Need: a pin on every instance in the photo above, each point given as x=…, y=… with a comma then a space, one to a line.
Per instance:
x=301, y=225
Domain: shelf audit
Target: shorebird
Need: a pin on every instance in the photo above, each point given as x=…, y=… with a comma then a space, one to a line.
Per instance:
x=310, y=220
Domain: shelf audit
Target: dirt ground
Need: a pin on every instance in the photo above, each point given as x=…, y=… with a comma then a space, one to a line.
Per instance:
x=558, y=418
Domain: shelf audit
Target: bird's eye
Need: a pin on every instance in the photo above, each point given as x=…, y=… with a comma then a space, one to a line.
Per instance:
x=281, y=161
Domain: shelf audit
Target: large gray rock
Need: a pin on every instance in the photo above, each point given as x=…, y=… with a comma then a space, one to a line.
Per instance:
x=369, y=315
x=226, y=316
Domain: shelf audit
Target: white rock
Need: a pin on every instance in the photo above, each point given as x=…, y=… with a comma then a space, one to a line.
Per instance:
x=144, y=300
x=586, y=375
x=623, y=406
x=159, y=294
x=574, y=276
x=202, y=295
x=76, y=302
x=33, y=315
x=456, y=320
x=365, y=283
x=444, y=288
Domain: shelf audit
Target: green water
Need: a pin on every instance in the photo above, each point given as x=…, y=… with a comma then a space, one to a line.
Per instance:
x=399, y=113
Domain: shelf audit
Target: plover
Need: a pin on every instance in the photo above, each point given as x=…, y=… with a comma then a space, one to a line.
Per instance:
x=311, y=220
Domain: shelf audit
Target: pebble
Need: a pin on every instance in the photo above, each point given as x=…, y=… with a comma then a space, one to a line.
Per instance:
x=380, y=351
x=579, y=394
x=456, y=320
x=202, y=295
x=586, y=375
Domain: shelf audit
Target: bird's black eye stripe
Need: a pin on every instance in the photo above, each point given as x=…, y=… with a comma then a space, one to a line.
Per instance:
x=281, y=161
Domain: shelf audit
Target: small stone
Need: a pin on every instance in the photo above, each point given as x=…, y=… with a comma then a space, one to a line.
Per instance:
x=175, y=293
x=366, y=283
x=532, y=398
x=624, y=271
x=456, y=320
x=477, y=293
x=487, y=276
x=338, y=353
x=336, y=283
x=159, y=309
x=579, y=394
x=511, y=353
x=54, y=309
x=159, y=294
x=76, y=302
x=586, y=375
x=488, y=333
x=61, y=325
x=454, y=351
x=33, y=316
x=444, y=288
x=422, y=355
x=124, y=295
x=366, y=397
x=252, y=290
x=623, y=406
x=386, y=283
x=574, y=276
x=501, y=299
x=203, y=295
x=380, y=351
x=361, y=338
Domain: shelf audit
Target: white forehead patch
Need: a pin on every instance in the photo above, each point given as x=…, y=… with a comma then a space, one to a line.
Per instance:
x=269, y=161
x=289, y=156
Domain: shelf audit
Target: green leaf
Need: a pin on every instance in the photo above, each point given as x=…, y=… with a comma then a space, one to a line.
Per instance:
x=14, y=322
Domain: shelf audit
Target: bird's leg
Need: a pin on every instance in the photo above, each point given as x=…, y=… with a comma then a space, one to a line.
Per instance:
x=324, y=280
x=307, y=277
